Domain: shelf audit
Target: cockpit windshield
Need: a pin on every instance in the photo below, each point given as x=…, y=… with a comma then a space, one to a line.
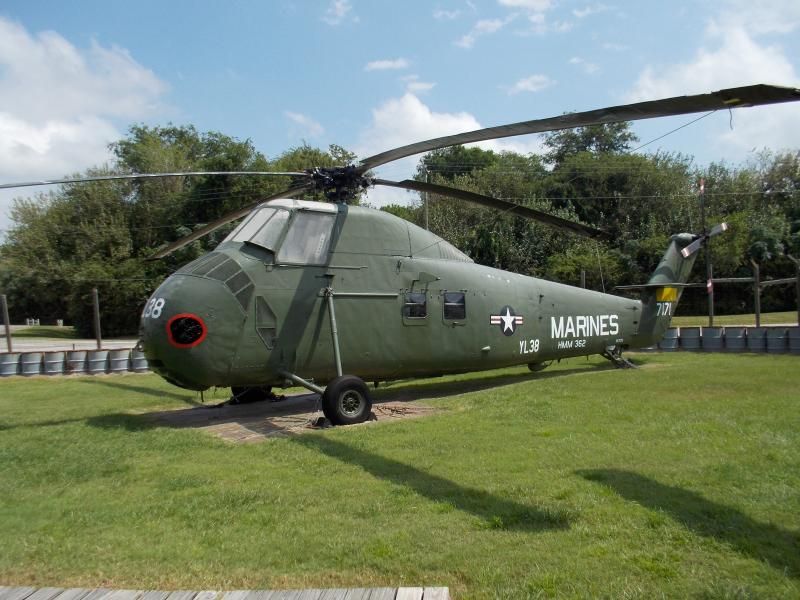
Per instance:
x=306, y=242
x=308, y=239
x=263, y=228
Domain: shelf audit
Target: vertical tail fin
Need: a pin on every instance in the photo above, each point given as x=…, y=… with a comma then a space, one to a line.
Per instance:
x=663, y=290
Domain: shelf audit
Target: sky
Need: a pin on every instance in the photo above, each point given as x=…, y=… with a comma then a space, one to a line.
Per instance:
x=372, y=75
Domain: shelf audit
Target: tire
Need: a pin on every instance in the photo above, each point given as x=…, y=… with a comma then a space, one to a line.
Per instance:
x=246, y=395
x=346, y=401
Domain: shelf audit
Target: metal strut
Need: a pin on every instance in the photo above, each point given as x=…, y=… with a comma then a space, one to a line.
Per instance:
x=614, y=354
x=337, y=357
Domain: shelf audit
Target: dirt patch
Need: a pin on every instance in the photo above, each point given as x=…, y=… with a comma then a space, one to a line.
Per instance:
x=248, y=423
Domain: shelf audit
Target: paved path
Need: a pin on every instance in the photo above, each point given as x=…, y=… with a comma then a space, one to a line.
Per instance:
x=49, y=593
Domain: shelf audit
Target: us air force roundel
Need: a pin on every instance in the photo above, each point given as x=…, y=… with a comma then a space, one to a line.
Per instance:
x=507, y=320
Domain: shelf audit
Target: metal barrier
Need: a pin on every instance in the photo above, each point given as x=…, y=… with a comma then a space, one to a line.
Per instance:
x=691, y=338
x=54, y=363
x=31, y=363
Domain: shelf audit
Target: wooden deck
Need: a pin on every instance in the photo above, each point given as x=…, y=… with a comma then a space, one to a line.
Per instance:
x=51, y=593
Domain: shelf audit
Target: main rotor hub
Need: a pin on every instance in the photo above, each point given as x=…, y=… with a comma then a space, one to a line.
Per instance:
x=339, y=184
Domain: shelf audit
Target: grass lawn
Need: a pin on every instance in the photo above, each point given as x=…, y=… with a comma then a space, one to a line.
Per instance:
x=775, y=318
x=46, y=331
x=679, y=479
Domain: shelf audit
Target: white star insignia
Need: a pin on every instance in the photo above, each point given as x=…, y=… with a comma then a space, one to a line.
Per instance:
x=508, y=320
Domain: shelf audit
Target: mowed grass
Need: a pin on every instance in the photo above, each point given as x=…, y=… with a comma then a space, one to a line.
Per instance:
x=45, y=331
x=678, y=479
x=774, y=318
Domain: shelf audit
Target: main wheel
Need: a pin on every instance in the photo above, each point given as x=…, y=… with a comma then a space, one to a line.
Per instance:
x=346, y=401
x=246, y=395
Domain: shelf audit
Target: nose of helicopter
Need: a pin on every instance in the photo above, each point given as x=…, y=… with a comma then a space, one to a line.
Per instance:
x=189, y=330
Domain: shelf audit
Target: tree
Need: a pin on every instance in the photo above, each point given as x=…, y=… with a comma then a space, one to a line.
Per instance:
x=606, y=138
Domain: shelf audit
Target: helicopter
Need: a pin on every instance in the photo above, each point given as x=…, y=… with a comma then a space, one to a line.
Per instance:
x=333, y=294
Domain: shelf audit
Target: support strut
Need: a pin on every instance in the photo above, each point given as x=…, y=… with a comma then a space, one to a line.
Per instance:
x=334, y=332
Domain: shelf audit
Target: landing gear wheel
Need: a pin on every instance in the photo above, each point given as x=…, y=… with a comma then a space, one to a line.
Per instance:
x=346, y=401
x=246, y=395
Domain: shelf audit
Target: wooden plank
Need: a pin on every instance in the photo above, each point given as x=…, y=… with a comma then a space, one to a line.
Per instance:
x=16, y=593
x=357, y=594
x=436, y=593
x=124, y=595
x=409, y=593
x=207, y=595
x=73, y=594
x=235, y=595
x=154, y=595
x=310, y=594
x=333, y=594
x=382, y=593
x=97, y=594
x=45, y=593
x=182, y=595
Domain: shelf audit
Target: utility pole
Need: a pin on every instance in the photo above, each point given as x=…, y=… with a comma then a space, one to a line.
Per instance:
x=97, y=333
x=757, y=291
x=6, y=322
x=427, y=195
x=709, y=272
x=796, y=262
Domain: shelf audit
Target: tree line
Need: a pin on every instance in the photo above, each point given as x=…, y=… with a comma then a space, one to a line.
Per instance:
x=63, y=243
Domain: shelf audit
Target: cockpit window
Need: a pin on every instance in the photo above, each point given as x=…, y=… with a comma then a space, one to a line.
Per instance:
x=308, y=238
x=263, y=227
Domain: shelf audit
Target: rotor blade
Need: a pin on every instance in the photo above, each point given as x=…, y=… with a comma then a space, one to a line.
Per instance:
x=753, y=95
x=149, y=176
x=224, y=220
x=502, y=205
x=693, y=247
x=717, y=229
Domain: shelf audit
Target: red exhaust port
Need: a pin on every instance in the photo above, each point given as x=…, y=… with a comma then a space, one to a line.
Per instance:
x=186, y=330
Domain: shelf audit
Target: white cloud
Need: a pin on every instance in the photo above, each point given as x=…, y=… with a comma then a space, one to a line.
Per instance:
x=60, y=104
x=482, y=28
x=533, y=5
x=419, y=86
x=588, y=67
x=591, y=9
x=309, y=126
x=387, y=64
x=762, y=17
x=534, y=83
x=405, y=120
x=337, y=11
x=446, y=15
x=731, y=57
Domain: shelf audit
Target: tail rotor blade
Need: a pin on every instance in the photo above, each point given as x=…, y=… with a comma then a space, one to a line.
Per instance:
x=717, y=229
x=693, y=247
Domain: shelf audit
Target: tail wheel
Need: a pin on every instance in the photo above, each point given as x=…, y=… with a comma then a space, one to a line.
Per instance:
x=346, y=401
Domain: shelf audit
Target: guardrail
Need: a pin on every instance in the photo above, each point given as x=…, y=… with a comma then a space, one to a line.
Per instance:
x=771, y=340
x=68, y=362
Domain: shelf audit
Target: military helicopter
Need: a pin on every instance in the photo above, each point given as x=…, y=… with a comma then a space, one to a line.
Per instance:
x=310, y=293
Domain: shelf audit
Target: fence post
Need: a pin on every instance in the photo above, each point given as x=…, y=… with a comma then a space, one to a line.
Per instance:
x=4, y=301
x=757, y=291
x=97, y=333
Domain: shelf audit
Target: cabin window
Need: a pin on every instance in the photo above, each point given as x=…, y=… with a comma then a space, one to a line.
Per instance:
x=455, y=307
x=262, y=227
x=308, y=238
x=415, y=306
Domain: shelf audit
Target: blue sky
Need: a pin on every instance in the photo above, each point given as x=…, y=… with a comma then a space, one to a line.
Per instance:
x=370, y=75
